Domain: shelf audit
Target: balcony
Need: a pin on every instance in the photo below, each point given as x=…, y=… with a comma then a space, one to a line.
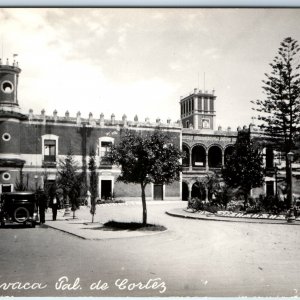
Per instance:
x=49, y=161
x=105, y=163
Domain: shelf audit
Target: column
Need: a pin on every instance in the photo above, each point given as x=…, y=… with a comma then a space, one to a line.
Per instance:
x=206, y=160
x=195, y=113
x=206, y=195
x=190, y=161
x=190, y=190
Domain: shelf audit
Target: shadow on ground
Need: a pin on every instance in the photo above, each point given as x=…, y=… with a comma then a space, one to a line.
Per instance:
x=128, y=226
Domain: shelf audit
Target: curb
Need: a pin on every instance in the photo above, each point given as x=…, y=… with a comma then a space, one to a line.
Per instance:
x=68, y=232
x=231, y=219
x=103, y=239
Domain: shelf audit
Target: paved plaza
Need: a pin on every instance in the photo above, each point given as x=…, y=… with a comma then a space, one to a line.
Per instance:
x=193, y=257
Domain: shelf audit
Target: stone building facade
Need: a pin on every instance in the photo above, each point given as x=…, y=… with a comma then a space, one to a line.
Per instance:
x=32, y=144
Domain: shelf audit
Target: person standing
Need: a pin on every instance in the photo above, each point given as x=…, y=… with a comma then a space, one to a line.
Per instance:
x=42, y=204
x=54, y=204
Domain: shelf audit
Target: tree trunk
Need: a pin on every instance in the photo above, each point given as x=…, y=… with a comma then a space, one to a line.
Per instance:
x=289, y=202
x=144, y=204
x=246, y=196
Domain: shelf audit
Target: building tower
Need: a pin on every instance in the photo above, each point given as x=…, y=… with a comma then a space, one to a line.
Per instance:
x=197, y=110
x=10, y=127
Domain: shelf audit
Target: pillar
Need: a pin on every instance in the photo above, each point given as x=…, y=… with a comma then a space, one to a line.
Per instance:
x=190, y=190
x=195, y=113
x=206, y=195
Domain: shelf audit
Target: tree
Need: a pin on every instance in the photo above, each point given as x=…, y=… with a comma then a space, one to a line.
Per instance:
x=20, y=185
x=93, y=183
x=244, y=169
x=146, y=158
x=281, y=108
x=69, y=180
x=210, y=183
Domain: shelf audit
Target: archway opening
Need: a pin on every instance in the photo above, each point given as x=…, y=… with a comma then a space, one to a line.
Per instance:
x=215, y=157
x=228, y=152
x=185, y=191
x=198, y=156
x=186, y=158
x=198, y=191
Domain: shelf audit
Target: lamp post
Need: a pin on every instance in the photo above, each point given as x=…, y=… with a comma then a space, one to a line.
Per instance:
x=276, y=180
x=36, y=177
x=290, y=213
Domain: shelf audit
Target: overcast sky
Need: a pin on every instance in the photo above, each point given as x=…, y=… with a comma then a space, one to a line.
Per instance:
x=140, y=61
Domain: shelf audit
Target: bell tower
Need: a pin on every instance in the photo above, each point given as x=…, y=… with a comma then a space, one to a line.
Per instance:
x=9, y=75
x=11, y=119
x=198, y=110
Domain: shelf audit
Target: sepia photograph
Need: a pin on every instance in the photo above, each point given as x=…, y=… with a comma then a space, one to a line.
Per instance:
x=149, y=152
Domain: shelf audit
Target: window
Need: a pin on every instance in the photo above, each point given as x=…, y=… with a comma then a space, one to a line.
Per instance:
x=50, y=150
x=105, y=144
x=6, y=137
x=6, y=176
x=269, y=157
x=205, y=123
x=7, y=87
x=6, y=188
x=205, y=104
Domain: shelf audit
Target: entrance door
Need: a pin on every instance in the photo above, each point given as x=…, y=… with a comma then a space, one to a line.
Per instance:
x=158, y=192
x=270, y=188
x=185, y=191
x=106, y=190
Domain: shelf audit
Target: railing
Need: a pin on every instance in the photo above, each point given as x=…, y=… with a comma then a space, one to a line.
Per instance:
x=49, y=158
x=105, y=163
x=49, y=161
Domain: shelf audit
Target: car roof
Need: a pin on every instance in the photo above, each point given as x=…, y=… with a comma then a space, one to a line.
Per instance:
x=19, y=193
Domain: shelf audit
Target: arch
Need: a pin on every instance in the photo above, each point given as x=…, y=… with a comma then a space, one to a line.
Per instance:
x=198, y=191
x=186, y=159
x=228, y=151
x=198, y=156
x=214, y=156
x=185, y=191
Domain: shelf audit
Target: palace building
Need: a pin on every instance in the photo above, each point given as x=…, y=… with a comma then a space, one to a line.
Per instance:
x=32, y=144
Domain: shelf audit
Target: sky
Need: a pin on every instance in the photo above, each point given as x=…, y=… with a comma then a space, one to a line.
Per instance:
x=141, y=61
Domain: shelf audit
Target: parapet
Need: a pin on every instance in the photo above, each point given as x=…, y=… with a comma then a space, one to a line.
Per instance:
x=201, y=93
x=100, y=121
x=14, y=66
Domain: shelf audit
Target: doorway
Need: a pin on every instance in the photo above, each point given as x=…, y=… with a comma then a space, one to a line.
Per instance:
x=158, y=192
x=185, y=191
x=106, y=189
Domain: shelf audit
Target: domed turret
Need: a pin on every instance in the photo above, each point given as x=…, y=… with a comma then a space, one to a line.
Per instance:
x=9, y=75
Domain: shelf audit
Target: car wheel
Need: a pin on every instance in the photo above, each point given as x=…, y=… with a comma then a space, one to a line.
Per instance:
x=21, y=214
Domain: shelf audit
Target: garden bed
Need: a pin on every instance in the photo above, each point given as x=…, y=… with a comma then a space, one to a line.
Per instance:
x=132, y=226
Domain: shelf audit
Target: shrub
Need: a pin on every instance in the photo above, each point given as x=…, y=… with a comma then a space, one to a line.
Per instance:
x=196, y=204
x=235, y=205
x=211, y=208
x=272, y=204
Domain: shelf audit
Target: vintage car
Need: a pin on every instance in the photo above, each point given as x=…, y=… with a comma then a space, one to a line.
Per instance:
x=18, y=207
